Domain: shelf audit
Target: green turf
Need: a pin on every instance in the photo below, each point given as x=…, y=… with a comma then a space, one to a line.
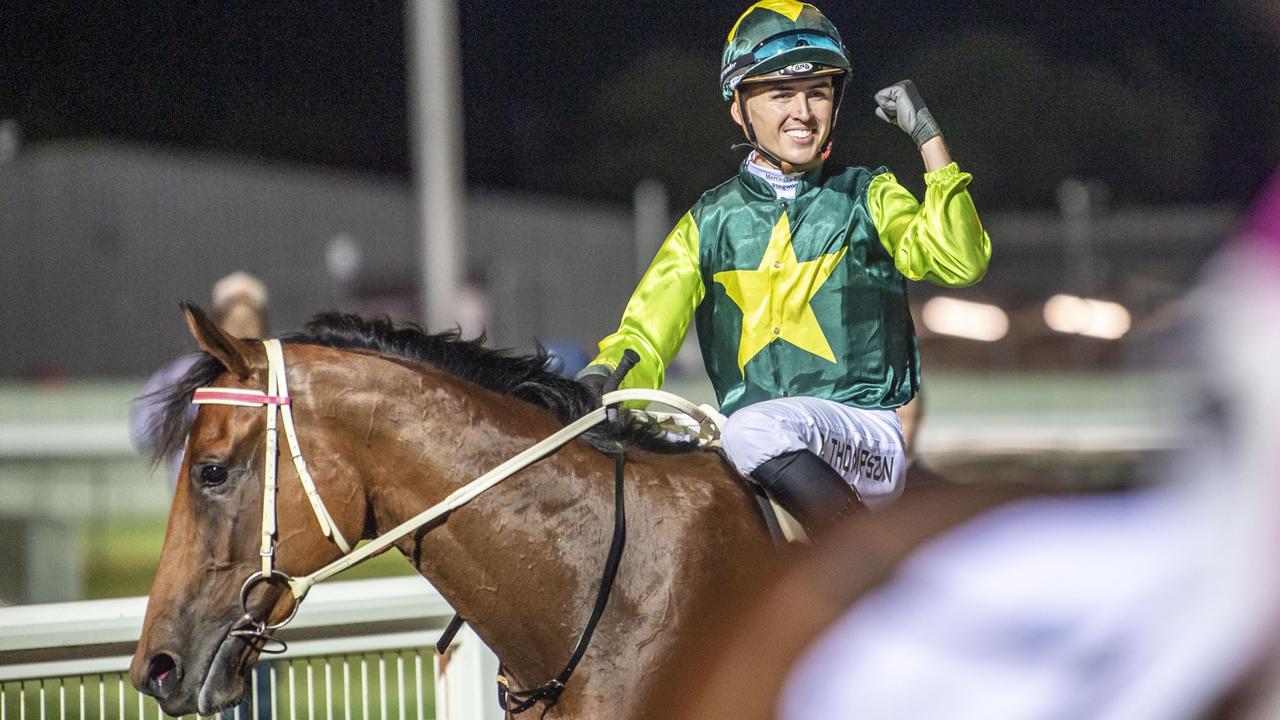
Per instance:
x=121, y=558
x=304, y=697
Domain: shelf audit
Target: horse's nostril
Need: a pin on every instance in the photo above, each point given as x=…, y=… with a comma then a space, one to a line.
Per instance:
x=162, y=674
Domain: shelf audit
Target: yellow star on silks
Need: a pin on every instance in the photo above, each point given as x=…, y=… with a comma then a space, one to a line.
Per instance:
x=774, y=298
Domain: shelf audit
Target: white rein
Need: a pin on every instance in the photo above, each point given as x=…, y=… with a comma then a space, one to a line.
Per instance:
x=708, y=426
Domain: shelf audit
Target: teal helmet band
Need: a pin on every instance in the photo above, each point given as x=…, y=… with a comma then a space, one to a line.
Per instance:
x=787, y=37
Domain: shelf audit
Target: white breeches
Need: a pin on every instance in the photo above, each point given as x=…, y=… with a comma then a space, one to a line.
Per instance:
x=864, y=446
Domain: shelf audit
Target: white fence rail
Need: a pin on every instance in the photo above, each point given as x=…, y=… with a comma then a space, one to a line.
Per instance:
x=359, y=649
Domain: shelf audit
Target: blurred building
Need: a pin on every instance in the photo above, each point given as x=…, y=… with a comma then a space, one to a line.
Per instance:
x=99, y=242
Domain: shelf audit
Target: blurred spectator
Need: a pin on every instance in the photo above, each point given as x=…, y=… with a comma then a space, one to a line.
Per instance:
x=473, y=306
x=912, y=416
x=1155, y=603
x=566, y=357
x=239, y=306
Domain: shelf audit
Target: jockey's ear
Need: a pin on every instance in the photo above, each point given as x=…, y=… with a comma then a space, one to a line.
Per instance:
x=236, y=355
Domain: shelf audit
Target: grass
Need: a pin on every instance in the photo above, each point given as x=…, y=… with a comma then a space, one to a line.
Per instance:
x=121, y=557
x=1057, y=471
x=372, y=685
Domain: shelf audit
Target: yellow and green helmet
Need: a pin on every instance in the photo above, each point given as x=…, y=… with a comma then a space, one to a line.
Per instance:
x=778, y=40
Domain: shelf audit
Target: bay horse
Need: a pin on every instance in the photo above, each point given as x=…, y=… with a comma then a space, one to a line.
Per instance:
x=392, y=419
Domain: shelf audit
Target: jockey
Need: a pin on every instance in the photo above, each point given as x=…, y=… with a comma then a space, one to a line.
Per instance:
x=795, y=271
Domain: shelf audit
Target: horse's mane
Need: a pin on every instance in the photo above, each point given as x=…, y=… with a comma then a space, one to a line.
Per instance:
x=525, y=377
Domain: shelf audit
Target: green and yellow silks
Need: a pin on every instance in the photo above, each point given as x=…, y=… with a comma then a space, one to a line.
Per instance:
x=803, y=297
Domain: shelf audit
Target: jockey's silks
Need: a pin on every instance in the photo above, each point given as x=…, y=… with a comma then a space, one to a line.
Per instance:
x=804, y=296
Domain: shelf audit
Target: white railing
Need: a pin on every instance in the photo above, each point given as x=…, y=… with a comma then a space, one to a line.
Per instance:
x=357, y=649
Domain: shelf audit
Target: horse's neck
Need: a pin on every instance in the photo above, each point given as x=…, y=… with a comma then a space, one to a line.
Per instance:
x=516, y=559
x=522, y=562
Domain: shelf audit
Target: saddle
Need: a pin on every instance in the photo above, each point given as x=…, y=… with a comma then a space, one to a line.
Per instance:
x=704, y=424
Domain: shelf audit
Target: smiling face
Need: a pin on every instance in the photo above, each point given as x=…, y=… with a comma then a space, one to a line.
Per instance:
x=791, y=119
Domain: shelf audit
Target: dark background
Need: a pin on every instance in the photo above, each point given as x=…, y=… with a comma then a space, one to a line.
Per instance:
x=1165, y=102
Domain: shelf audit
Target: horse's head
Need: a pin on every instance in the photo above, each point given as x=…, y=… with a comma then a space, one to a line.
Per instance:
x=192, y=656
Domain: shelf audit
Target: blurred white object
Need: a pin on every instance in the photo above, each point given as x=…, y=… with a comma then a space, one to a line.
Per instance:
x=239, y=286
x=962, y=318
x=342, y=258
x=1086, y=316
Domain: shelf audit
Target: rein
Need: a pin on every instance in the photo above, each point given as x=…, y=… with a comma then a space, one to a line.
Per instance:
x=517, y=701
x=277, y=401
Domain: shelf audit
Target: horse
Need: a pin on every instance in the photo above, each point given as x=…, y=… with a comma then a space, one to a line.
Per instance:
x=751, y=646
x=390, y=420
x=1094, y=646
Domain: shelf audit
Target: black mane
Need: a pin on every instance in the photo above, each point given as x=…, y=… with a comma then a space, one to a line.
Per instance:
x=526, y=377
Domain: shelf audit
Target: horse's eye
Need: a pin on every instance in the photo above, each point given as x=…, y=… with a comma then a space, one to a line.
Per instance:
x=213, y=475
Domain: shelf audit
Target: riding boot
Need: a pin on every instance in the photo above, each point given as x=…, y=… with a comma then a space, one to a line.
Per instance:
x=810, y=489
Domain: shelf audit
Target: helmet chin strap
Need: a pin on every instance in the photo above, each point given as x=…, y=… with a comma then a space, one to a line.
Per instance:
x=751, y=133
x=838, y=95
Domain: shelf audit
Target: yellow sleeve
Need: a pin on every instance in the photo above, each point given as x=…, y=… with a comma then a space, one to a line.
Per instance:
x=941, y=240
x=658, y=315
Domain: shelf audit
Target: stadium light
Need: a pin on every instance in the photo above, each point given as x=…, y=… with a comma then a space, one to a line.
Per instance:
x=961, y=318
x=1086, y=316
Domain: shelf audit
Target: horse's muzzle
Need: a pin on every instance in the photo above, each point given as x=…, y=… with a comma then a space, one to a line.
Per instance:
x=201, y=678
x=160, y=676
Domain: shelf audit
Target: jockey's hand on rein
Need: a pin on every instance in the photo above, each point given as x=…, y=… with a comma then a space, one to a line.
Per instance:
x=599, y=380
x=593, y=378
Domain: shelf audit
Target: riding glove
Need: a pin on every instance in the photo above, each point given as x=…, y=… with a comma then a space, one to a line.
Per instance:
x=593, y=378
x=901, y=104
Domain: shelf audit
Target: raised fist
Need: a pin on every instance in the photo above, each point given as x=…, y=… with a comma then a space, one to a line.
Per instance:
x=900, y=104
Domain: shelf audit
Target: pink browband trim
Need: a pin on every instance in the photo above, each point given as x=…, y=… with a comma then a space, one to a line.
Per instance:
x=229, y=396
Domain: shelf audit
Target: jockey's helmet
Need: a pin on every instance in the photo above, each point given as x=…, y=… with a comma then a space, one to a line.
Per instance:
x=781, y=40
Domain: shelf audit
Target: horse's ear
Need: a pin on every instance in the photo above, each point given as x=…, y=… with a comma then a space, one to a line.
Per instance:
x=235, y=354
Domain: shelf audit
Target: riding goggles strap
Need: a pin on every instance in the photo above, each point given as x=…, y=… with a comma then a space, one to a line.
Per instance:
x=774, y=46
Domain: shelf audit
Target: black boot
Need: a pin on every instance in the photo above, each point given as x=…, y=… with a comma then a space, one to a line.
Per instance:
x=810, y=489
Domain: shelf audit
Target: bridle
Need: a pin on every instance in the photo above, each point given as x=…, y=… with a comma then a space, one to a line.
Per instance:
x=275, y=397
x=278, y=403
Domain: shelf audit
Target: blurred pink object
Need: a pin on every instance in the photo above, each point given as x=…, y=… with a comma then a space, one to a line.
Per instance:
x=1262, y=224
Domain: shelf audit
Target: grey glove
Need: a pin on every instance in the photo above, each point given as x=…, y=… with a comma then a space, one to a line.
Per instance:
x=593, y=378
x=901, y=105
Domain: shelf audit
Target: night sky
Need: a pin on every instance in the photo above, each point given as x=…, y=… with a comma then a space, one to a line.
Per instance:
x=1164, y=101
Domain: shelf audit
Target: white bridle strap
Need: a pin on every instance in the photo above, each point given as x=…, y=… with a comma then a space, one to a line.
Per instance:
x=301, y=585
x=275, y=362
x=271, y=461
x=278, y=404
x=712, y=421
x=277, y=396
